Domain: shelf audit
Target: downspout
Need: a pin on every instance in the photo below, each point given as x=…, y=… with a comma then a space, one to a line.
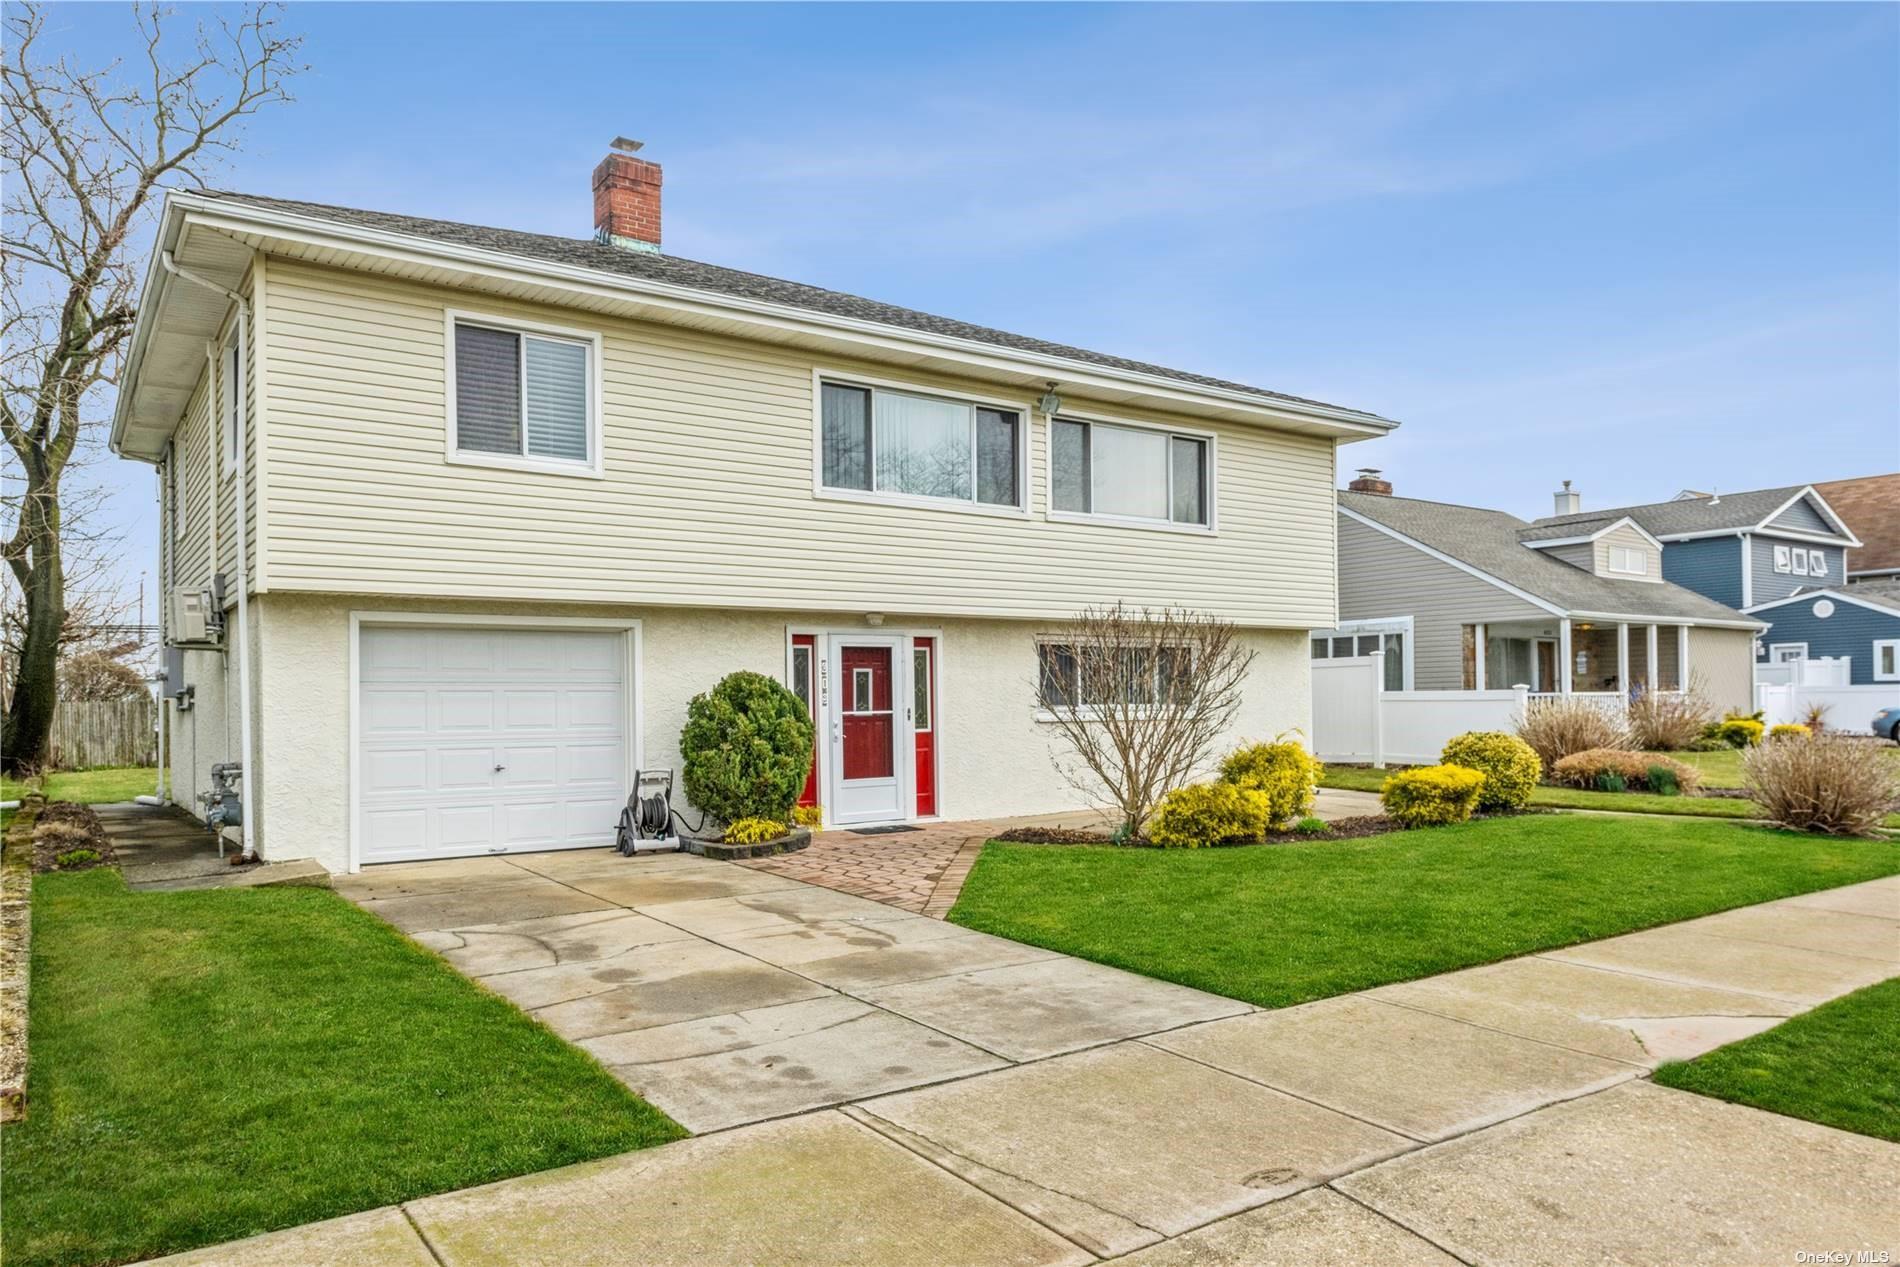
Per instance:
x=164, y=556
x=245, y=751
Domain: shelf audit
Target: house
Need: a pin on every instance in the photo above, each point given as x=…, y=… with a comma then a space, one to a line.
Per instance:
x=456, y=521
x=1870, y=507
x=1780, y=555
x=1858, y=623
x=1462, y=598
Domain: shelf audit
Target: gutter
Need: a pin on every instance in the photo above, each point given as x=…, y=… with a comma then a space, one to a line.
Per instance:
x=246, y=743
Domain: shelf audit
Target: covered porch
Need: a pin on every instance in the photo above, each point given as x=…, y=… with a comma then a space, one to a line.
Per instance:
x=1576, y=656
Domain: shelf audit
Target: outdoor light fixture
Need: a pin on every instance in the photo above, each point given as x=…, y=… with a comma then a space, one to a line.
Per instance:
x=1050, y=404
x=874, y=619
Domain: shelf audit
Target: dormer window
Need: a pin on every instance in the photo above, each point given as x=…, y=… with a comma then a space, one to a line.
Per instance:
x=1629, y=560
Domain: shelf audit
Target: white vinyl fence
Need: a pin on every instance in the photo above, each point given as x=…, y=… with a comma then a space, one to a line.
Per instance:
x=1824, y=671
x=1849, y=708
x=1356, y=721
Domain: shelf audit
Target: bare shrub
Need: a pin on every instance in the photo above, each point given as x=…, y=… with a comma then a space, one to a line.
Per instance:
x=1635, y=771
x=1829, y=783
x=1563, y=724
x=1139, y=698
x=1668, y=723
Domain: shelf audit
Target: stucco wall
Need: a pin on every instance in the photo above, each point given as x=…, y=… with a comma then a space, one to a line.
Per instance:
x=996, y=759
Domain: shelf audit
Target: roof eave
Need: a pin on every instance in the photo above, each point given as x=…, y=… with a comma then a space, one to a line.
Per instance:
x=180, y=207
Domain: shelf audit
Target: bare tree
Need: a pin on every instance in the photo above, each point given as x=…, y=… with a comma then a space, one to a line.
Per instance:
x=1139, y=698
x=87, y=154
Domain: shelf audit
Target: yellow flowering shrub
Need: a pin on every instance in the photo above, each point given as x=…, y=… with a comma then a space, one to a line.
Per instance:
x=1208, y=814
x=1282, y=771
x=1432, y=795
x=751, y=831
x=812, y=816
x=1509, y=765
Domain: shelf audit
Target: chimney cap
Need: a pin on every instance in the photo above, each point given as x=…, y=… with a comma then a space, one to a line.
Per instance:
x=626, y=145
x=1370, y=472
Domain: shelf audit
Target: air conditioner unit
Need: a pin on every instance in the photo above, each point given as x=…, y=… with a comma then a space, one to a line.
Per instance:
x=197, y=619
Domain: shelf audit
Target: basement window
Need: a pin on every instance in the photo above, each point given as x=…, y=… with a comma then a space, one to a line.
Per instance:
x=524, y=396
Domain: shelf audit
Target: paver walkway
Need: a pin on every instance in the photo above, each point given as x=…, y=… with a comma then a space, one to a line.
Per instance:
x=923, y=869
x=1033, y=1109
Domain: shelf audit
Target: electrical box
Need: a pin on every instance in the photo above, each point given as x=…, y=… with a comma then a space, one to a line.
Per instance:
x=174, y=687
x=197, y=620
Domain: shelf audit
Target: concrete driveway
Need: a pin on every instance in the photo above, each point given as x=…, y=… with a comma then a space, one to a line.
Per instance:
x=1002, y=1105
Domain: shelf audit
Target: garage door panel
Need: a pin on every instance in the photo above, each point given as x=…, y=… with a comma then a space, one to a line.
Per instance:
x=387, y=711
x=551, y=707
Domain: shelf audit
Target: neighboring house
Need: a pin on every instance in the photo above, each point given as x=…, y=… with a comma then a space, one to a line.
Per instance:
x=1870, y=507
x=483, y=510
x=1461, y=598
x=1859, y=623
x=1756, y=551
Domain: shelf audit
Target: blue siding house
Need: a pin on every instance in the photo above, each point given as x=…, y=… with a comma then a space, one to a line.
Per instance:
x=1860, y=623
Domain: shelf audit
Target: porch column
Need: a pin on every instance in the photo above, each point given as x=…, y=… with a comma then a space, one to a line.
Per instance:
x=1623, y=657
x=1682, y=657
x=1477, y=679
x=1649, y=665
x=1564, y=662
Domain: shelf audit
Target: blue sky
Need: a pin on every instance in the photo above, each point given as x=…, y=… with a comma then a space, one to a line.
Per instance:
x=1637, y=247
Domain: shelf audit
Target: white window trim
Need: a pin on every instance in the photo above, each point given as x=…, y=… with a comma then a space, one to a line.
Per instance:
x=1383, y=625
x=1783, y=558
x=1817, y=563
x=1044, y=715
x=1212, y=439
x=231, y=400
x=1887, y=642
x=1775, y=647
x=844, y=378
x=1800, y=560
x=594, y=467
x=1630, y=552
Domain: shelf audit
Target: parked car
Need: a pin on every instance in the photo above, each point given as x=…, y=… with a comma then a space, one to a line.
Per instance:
x=1887, y=724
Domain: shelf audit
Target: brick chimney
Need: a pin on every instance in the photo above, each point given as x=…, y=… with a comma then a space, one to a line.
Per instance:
x=627, y=199
x=1568, y=501
x=1370, y=480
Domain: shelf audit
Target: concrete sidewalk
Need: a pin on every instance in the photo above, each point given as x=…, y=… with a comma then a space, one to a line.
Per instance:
x=1494, y=1115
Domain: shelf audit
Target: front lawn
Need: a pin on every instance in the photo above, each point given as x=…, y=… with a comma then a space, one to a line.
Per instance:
x=209, y=1065
x=90, y=787
x=1838, y=1065
x=1283, y=924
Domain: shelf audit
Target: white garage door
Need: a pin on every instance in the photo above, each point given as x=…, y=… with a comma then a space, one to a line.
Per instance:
x=477, y=741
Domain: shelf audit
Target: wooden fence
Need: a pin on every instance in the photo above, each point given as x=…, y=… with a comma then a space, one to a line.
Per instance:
x=89, y=733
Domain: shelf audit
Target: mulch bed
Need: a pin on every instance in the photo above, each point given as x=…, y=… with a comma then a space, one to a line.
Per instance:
x=86, y=834
x=1354, y=828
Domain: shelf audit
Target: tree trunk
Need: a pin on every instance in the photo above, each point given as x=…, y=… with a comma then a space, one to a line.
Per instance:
x=29, y=721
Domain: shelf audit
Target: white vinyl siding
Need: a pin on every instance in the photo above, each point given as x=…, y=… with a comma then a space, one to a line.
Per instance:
x=706, y=495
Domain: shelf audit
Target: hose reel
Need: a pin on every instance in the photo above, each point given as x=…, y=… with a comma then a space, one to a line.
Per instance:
x=646, y=824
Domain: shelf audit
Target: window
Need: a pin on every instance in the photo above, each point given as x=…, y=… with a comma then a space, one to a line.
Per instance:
x=1887, y=659
x=1383, y=638
x=1817, y=563
x=920, y=688
x=524, y=396
x=1782, y=563
x=1074, y=677
x=1787, y=652
x=801, y=675
x=863, y=699
x=903, y=444
x=1630, y=560
x=1128, y=473
x=233, y=413
x=1800, y=562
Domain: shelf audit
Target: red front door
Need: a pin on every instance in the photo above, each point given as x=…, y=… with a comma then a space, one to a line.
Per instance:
x=869, y=724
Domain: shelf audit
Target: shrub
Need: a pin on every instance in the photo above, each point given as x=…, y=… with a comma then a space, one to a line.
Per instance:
x=751, y=831
x=1208, y=814
x=1509, y=766
x=56, y=834
x=1612, y=781
x=77, y=857
x=1635, y=769
x=1667, y=723
x=1816, y=720
x=746, y=749
x=1789, y=730
x=1663, y=781
x=1313, y=827
x=1432, y=795
x=1708, y=743
x=812, y=816
x=1284, y=772
x=1833, y=784
x=1737, y=730
x=1563, y=724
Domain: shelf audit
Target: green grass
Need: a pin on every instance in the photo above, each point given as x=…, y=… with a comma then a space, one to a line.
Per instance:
x=90, y=787
x=209, y=1065
x=1716, y=765
x=1282, y=924
x=1838, y=1065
